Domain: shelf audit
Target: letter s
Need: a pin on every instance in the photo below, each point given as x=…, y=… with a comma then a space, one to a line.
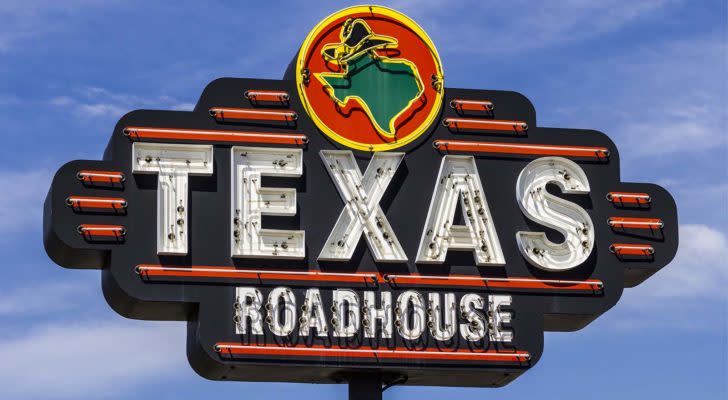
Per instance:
x=567, y=218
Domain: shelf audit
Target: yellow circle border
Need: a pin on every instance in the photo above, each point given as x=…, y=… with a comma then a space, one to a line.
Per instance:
x=407, y=21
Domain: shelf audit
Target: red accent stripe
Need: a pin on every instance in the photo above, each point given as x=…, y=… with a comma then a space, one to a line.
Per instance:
x=524, y=149
x=369, y=352
x=156, y=270
x=515, y=283
x=629, y=197
x=231, y=272
x=101, y=230
x=114, y=203
x=267, y=95
x=632, y=249
x=136, y=132
x=635, y=223
x=91, y=176
x=471, y=105
x=485, y=124
x=251, y=114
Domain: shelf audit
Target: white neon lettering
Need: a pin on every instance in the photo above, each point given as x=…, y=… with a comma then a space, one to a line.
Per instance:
x=173, y=163
x=250, y=202
x=567, y=218
x=459, y=180
x=362, y=214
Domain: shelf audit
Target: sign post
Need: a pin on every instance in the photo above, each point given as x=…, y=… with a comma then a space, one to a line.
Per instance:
x=358, y=221
x=365, y=387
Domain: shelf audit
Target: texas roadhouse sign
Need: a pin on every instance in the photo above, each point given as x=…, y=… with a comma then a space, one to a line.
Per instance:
x=359, y=217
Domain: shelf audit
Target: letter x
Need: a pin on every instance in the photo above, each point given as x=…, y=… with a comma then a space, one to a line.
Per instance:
x=362, y=213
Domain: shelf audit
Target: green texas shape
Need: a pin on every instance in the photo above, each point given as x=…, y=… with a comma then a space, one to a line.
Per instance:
x=385, y=87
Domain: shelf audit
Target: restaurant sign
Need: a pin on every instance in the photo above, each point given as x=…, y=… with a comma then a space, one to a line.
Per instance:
x=358, y=216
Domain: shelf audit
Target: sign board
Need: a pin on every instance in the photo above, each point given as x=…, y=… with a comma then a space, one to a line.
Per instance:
x=359, y=216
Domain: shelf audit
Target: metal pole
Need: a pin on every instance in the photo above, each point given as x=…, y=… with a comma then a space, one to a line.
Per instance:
x=365, y=387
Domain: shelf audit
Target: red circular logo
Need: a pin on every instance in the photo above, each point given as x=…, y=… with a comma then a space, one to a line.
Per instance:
x=370, y=78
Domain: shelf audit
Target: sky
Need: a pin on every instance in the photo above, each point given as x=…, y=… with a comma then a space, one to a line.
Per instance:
x=651, y=74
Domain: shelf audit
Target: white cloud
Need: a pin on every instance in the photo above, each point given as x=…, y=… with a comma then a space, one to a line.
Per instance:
x=28, y=19
x=679, y=104
x=183, y=107
x=92, y=353
x=96, y=102
x=21, y=204
x=62, y=101
x=515, y=26
x=74, y=359
x=687, y=294
x=703, y=201
x=699, y=270
x=653, y=98
x=43, y=299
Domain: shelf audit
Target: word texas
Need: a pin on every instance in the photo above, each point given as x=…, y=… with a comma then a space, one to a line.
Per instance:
x=457, y=182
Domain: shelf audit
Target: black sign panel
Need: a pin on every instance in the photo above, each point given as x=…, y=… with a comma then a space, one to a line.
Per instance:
x=193, y=233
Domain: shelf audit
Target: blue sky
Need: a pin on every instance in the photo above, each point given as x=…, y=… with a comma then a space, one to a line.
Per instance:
x=651, y=74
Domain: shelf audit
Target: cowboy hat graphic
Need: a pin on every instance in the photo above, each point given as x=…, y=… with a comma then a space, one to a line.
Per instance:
x=356, y=38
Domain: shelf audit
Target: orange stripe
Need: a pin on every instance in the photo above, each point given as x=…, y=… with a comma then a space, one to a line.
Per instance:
x=101, y=230
x=156, y=270
x=114, y=203
x=485, y=124
x=222, y=114
x=136, y=132
x=231, y=272
x=471, y=105
x=93, y=176
x=267, y=95
x=628, y=197
x=524, y=149
x=635, y=223
x=631, y=249
x=369, y=352
x=459, y=280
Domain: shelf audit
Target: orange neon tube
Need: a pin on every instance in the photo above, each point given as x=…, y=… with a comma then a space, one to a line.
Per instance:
x=635, y=223
x=630, y=249
x=485, y=124
x=522, y=149
x=101, y=230
x=137, y=132
x=225, y=348
x=628, y=197
x=89, y=176
x=472, y=105
x=267, y=95
x=252, y=114
x=156, y=270
x=96, y=202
